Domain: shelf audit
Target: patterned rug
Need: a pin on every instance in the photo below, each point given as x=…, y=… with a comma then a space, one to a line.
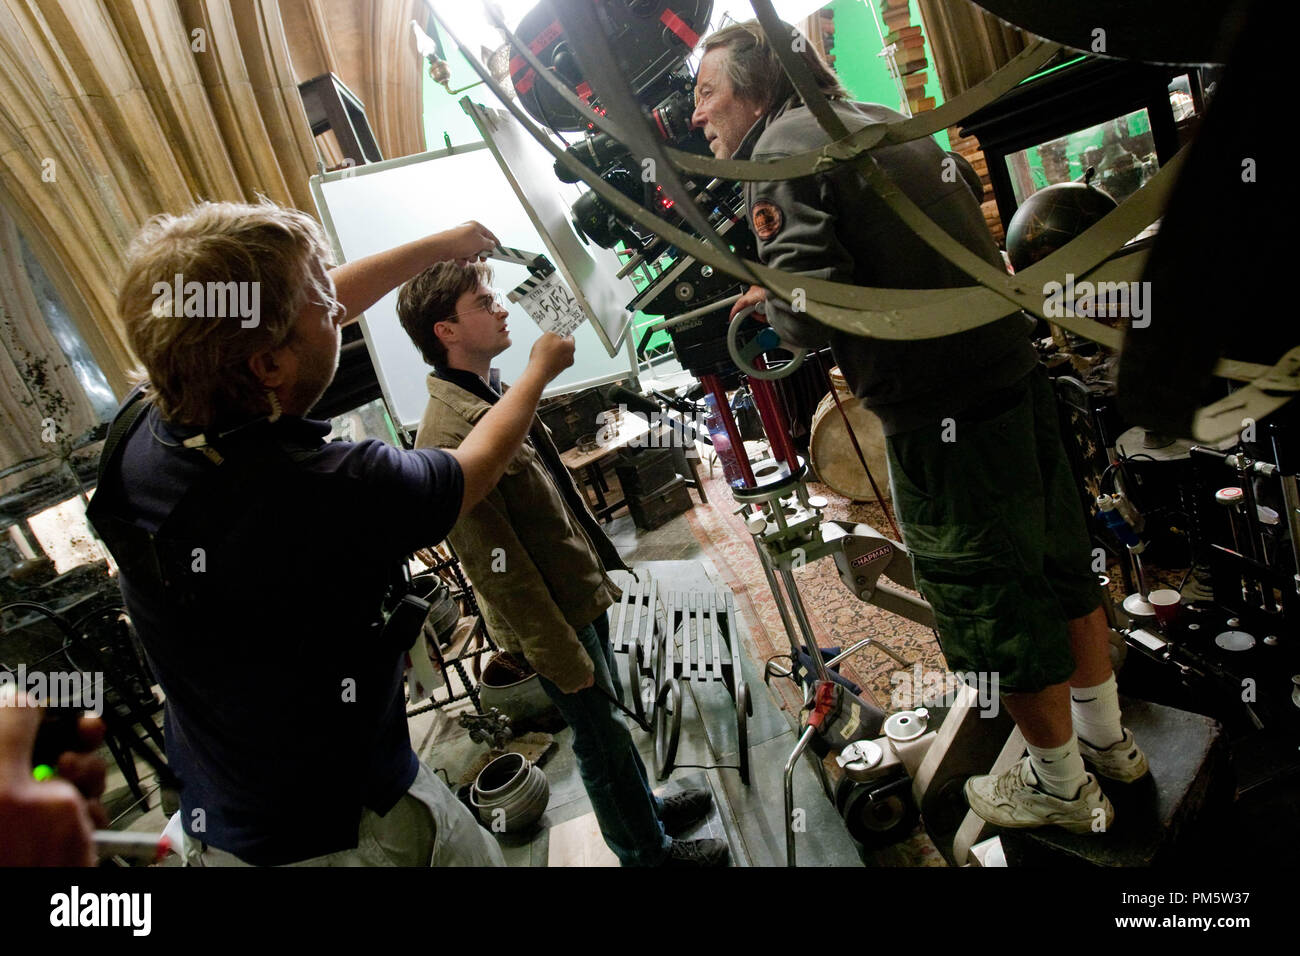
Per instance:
x=838, y=618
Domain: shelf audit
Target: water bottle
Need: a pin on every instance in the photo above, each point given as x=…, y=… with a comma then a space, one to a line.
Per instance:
x=1113, y=519
x=722, y=444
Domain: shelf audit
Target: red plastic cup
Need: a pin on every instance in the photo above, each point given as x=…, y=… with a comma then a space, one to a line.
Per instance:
x=1165, y=601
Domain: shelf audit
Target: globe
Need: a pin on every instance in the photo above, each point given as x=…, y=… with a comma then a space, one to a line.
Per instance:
x=1050, y=218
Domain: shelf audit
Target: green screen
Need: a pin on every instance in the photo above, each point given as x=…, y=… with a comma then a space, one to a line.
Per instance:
x=862, y=71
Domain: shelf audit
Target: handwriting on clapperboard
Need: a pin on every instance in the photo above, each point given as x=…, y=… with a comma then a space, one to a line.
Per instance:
x=552, y=306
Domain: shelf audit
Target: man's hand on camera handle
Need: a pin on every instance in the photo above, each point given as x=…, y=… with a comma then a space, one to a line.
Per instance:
x=755, y=295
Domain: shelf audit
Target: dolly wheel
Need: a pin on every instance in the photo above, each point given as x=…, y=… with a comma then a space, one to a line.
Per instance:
x=668, y=726
x=634, y=680
x=878, y=823
x=743, y=711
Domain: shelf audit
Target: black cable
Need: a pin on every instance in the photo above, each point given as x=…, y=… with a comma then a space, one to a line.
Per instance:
x=546, y=118
x=112, y=824
x=640, y=721
x=1101, y=484
x=706, y=766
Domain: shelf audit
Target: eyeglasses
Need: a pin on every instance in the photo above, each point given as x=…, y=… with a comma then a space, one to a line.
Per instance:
x=485, y=303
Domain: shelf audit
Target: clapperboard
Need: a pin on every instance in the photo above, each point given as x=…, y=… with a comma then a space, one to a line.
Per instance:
x=543, y=295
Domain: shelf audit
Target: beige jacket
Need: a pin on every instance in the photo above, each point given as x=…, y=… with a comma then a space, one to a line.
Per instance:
x=534, y=570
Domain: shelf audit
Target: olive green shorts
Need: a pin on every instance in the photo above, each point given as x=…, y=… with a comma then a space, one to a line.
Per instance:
x=990, y=512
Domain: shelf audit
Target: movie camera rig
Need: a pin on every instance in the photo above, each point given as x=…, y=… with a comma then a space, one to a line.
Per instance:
x=616, y=72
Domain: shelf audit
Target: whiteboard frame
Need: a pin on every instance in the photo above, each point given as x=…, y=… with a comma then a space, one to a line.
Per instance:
x=316, y=182
x=580, y=263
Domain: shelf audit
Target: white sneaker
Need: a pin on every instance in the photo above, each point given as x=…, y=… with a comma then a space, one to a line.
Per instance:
x=1014, y=799
x=1122, y=761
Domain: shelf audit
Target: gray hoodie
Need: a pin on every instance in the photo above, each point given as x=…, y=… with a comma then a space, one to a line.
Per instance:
x=832, y=226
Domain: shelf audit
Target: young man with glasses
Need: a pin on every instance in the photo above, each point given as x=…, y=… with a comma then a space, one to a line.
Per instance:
x=538, y=558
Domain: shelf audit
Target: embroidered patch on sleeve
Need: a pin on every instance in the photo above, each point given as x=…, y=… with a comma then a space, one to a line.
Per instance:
x=767, y=219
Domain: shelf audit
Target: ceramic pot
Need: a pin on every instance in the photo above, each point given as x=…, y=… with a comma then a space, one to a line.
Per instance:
x=510, y=793
x=517, y=698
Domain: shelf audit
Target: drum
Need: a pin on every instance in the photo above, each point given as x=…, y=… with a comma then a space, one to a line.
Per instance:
x=831, y=450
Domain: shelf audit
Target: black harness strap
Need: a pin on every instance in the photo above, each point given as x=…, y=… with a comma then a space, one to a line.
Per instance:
x=123, y=422
x=161, y=558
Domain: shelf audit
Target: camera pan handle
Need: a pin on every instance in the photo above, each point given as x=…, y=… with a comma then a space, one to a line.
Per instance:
x=766, y=340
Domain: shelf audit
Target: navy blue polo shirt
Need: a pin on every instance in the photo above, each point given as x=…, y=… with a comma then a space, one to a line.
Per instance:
x=284, y=716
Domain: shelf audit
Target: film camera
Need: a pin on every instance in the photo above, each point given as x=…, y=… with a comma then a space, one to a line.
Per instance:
x=651, y=40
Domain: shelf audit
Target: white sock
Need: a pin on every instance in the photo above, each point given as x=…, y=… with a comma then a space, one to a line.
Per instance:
x=1059, y=769
x=1095, y=711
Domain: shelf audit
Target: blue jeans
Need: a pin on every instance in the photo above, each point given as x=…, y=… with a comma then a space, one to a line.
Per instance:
x=608, y=761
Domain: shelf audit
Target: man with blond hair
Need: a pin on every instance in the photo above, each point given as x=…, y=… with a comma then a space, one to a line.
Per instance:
x=258, y=562
x=980, y=480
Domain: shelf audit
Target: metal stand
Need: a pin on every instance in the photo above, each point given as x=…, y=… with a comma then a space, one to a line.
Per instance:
x=462, y=591
x=788, y=533
x=795, y=754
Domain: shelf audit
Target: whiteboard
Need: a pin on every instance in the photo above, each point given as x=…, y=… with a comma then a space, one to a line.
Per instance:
x=372, y=208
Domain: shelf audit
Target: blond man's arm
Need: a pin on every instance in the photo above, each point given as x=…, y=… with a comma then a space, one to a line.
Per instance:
x=359, y=285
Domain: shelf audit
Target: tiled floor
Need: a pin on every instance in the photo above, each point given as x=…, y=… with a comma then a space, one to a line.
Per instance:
x=750, y=817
